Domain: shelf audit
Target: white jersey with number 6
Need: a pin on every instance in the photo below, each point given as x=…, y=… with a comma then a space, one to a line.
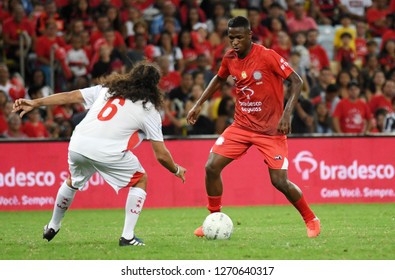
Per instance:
x=113, y=125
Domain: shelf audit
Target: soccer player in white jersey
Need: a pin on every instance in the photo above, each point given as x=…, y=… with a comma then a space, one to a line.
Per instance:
x=123, y=109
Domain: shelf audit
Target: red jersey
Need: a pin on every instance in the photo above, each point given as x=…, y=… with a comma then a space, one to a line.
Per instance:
x=318, y=57
x=259, y=87
x=13, y=28
x=36, y=130
x=352, y=115
x=380, y=101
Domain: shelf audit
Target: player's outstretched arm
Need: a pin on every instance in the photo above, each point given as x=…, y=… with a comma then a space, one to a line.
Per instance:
x=213, y=86
x=163, y=156
x=295, y=87
x=25, y=105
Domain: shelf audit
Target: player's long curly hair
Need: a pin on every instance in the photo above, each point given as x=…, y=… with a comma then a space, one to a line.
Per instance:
x=140, y=83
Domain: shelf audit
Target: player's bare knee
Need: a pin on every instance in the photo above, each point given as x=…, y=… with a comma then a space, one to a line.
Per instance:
x=68, y=182
x=142, y=183
x=280, y=183
x=211, y=169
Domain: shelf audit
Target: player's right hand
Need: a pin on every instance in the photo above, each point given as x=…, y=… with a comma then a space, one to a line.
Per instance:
x=193, y=114
x=23, y=105
x=181, y=173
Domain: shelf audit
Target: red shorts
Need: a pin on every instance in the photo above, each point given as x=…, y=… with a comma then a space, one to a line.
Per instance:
x=234, y=142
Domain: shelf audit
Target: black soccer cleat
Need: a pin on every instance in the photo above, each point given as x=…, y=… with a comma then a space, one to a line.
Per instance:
x=49, y=233
x=135, y=241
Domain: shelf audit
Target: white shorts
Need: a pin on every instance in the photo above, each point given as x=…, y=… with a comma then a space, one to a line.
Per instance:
x=120, y=174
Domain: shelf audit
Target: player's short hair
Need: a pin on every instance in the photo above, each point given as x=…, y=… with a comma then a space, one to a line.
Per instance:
x=239, y=21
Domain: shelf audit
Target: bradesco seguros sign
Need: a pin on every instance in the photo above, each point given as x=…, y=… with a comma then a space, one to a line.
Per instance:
x=346, y=170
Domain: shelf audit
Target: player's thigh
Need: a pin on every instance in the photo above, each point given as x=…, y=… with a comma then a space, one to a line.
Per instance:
x=81, y=169
x=233, y=143
x=274, y=150
x=125, y=172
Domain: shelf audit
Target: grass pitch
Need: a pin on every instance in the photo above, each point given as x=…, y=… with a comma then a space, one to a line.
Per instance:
x=349, y=232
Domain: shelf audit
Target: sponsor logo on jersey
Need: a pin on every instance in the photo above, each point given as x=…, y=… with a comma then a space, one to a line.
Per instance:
x=257, y=75
x=243, y=74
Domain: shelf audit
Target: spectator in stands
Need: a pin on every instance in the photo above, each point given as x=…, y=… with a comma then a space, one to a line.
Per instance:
x=3, y=117
x=387, y=55
x=356, y=9
x=389, y=122
x=352, y=115
x=133, y=16
x=345, y=55
x=322, y=119
x=141, y=51
x=376, y=84
x=390, y=32
x=330, y=98
x=303, y=117
x=167, y=9
x=38, y=81
x=45, y=44
x=50, y=14
x=190, y=14
x=13, y=28
x=300, y=21
x=166, y=47
x=370, y=67
x=276, y=26
x=318, y=56
x=169, y=79
x=326, y=11
x=204, y=66
x=283, y=45
x=384, y=100
x=376, y=17
x=102, y=67
x=103, y=24
x=45, y=113
x=201, y=41
x=216, y=15
x=82, y=11
x=189, y=52
x=356, y=75
x=346, y=27
x=34, y=127
x=179, y=96
x=203, y=125
x=260, y=33
x=299, y=44
x=223, y=113
x=14, y=130
x=77, y=59
x=343, y=80
x=139, y=27
x=325, y=78
x=275, y=11
x=217, y=37
x=295, y=62
x=361, y=42
x=115, y=19
x=378, y=122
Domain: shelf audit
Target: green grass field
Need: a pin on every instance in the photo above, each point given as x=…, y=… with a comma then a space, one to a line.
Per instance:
x=349, y=232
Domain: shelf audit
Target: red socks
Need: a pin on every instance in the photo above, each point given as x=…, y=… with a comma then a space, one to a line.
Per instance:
x=304, y=209
x=214, y=203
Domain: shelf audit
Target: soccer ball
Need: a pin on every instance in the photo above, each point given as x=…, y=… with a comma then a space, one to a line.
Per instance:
x=217, y=225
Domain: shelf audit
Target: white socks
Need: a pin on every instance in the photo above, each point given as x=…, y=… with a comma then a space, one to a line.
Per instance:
x=133, y=207
x=63, y=201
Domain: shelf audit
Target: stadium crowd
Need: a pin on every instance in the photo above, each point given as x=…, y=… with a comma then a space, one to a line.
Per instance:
x=343, y=50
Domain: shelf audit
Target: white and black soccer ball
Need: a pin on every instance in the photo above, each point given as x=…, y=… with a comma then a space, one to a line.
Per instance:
x=217, y=225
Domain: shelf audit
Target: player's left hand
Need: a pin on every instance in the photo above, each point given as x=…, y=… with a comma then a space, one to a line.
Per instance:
x=193, y=114
x=284, y=125
x=23, y=105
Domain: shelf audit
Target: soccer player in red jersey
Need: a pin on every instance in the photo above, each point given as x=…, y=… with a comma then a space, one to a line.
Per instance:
x=260, y=117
